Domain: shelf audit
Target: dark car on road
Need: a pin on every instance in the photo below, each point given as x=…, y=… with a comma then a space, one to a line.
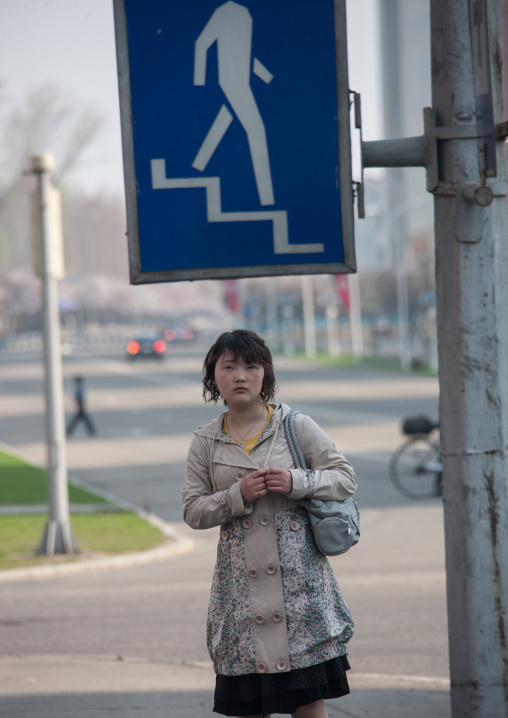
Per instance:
x=148, y=346
x=179, y=334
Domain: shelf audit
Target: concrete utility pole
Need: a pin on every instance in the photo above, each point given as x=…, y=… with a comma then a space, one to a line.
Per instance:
x=309, y=319
x=472, y=307
x=57, y=536
x=462, y=149
x=396, y=195
x=272, y=305
x=355, y=315
x=504, y=32
x=332, y=329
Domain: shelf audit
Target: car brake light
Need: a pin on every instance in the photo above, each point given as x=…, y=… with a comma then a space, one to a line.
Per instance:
x=159, y=346
x=133, y=347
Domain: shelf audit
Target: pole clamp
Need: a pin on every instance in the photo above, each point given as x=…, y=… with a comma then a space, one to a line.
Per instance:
x=421, y=151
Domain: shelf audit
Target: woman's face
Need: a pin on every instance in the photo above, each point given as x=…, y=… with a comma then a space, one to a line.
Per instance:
x=238, y=382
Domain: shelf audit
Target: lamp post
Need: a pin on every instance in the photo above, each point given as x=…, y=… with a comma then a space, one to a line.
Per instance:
x=57, y=537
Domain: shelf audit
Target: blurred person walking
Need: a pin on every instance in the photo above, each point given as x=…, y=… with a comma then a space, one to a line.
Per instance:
x=81, y=412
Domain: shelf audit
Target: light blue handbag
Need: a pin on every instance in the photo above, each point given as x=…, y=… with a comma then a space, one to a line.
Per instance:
x=334, y=524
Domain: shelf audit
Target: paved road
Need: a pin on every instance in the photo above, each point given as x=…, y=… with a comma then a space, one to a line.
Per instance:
x=146, y=411
x=153, y=616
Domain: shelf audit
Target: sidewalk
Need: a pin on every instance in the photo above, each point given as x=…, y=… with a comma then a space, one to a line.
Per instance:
x=101, y=686
x=88, y=686
x=104, y=687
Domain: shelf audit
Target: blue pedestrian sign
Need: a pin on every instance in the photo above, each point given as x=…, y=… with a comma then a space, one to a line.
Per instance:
x=235, y=131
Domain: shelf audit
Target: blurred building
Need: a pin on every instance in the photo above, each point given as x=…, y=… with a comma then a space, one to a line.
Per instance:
x=374, y=250
x=395, y=242
x=95, y=241
x=406, y=80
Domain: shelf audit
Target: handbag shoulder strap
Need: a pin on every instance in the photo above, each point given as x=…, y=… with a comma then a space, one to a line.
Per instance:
x=292, y=439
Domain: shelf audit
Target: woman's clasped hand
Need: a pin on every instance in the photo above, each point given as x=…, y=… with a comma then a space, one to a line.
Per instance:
x=259, y=482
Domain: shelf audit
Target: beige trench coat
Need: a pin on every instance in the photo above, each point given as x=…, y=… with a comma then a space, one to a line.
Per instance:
x=275, y=604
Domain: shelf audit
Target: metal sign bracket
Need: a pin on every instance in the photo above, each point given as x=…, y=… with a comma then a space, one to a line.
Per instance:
x=421, y=151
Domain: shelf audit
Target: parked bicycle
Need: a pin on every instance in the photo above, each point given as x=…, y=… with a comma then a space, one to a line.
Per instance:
x=415, y=467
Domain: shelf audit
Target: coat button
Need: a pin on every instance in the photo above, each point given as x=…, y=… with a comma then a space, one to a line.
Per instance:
x=247, y=523
x=276, y=616
x=224, y=535
x=281, y=665
x=261, y=668
x=239, y=475
x=253, y=573
x=270, y=569
x=294, y=525
x=264, y=520
x=259, y=619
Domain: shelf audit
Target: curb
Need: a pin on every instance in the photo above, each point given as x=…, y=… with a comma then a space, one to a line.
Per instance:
x=34, y=509
x=177, y=544
x=442, y=683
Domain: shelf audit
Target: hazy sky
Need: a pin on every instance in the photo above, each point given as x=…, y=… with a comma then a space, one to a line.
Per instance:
x=70, y=43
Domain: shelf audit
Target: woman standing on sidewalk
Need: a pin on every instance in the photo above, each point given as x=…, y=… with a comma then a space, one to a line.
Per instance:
x=277, y=623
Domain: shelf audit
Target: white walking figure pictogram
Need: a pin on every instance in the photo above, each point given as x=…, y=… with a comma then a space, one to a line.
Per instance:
x=230, y=26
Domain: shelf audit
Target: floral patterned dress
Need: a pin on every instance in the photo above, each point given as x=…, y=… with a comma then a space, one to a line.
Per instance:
x=277, y=624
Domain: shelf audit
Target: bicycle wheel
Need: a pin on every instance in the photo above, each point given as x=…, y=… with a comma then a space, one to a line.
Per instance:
x=415, y=468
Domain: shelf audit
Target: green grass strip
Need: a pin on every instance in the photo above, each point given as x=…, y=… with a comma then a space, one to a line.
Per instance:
x=109, y=533
x=22, y=484
x=381, y=363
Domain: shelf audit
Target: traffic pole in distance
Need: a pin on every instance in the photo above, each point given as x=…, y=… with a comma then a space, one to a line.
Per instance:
x=58, y=536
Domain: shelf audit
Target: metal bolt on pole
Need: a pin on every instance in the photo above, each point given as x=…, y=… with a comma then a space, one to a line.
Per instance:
x=58, y=536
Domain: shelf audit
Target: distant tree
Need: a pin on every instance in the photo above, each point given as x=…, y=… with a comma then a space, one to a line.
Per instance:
x=47, y=120
x=19, y=303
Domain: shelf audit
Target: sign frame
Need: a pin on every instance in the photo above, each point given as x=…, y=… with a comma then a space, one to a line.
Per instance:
x=345, y=180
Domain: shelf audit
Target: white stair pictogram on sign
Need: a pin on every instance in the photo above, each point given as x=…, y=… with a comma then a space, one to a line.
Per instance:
x=215, y=214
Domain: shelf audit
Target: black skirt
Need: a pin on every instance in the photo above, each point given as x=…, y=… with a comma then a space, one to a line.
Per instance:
x=265, y=693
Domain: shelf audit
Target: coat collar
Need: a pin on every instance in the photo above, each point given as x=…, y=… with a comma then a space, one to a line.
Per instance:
x=214, y=429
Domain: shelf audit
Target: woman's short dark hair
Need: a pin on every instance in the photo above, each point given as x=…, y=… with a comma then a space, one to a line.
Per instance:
x=252, y=349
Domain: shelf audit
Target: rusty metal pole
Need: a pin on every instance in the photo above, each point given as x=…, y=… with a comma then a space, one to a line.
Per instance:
x=472, y=307
x=504, y=42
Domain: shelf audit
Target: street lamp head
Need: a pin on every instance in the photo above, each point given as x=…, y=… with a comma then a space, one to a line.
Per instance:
x=43, y=163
